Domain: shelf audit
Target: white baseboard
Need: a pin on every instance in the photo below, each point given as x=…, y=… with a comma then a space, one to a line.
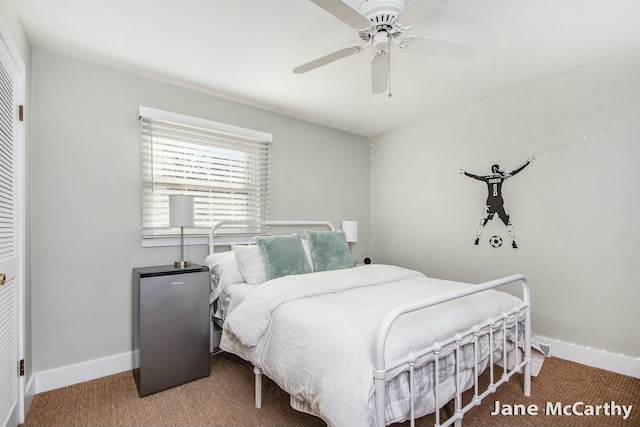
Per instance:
x=86, y=371
x=591, y=357
x=81, y=372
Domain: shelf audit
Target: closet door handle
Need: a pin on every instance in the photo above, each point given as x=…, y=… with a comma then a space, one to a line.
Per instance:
x=3, y=278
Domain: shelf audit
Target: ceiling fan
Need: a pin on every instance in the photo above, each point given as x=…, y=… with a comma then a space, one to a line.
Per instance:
x=378, y=23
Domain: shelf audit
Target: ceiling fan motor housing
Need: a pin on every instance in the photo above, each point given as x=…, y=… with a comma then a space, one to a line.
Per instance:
x=381, y=13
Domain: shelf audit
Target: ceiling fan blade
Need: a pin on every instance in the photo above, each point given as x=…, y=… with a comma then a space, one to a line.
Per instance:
x=345, y=13
x=379, y=72
x=438, y=47
x=327, y=59
x=418, y=11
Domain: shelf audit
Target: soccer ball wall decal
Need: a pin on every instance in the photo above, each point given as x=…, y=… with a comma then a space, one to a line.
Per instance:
x=495, y=241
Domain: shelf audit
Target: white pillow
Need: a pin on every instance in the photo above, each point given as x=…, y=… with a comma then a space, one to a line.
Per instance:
x=224, y=271
x=251, y=264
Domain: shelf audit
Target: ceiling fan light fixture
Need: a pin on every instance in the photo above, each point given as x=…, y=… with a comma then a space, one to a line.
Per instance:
x=381, y=40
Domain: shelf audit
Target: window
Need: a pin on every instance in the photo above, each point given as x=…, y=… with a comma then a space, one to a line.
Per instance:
x=225, y=168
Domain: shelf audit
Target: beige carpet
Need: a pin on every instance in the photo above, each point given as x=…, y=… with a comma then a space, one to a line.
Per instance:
x=225, y=398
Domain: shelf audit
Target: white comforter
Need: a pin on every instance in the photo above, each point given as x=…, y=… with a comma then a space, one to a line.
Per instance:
x=314, y=334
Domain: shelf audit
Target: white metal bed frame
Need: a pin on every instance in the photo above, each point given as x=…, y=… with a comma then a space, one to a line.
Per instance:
x=484, y=328
x=212, y=233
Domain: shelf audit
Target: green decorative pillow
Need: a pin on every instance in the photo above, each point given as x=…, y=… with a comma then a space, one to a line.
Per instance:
x=329, y=250
x=283, y=255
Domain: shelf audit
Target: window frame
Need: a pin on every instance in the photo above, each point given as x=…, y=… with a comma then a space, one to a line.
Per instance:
x=220, y=134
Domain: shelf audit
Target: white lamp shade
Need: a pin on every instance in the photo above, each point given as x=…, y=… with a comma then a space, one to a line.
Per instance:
x=350, y=229
x=181, y=211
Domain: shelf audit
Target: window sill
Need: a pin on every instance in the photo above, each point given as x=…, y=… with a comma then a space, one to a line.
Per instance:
x=174, y=241
x=157, y=242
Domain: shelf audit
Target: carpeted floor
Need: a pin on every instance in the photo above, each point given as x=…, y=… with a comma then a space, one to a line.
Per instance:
x=225, y=398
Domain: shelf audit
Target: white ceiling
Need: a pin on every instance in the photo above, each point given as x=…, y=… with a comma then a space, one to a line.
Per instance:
x=245, y=50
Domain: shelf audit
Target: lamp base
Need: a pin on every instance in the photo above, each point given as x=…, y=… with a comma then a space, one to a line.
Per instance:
x=182, y=264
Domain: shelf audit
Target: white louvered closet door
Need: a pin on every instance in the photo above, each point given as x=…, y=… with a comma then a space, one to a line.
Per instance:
x=10, y=238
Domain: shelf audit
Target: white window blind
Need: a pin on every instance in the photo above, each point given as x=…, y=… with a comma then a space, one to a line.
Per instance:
x=225, y=168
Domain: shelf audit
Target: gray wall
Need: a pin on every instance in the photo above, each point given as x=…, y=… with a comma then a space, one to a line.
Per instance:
x=86, y=196
x=575, y=208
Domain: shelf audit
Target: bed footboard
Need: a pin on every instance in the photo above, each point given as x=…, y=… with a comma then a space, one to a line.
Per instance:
x=472, y=336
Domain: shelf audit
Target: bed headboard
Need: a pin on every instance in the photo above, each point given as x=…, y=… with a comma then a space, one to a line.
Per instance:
x=212, y=233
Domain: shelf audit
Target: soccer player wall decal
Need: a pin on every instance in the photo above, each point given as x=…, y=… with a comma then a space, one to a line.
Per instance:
x=495, y=202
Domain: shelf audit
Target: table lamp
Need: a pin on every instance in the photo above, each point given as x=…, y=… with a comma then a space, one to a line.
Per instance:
x=350, y=229
x=181, y=215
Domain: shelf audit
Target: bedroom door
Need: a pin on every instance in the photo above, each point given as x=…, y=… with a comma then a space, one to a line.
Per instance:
x=11, y=231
